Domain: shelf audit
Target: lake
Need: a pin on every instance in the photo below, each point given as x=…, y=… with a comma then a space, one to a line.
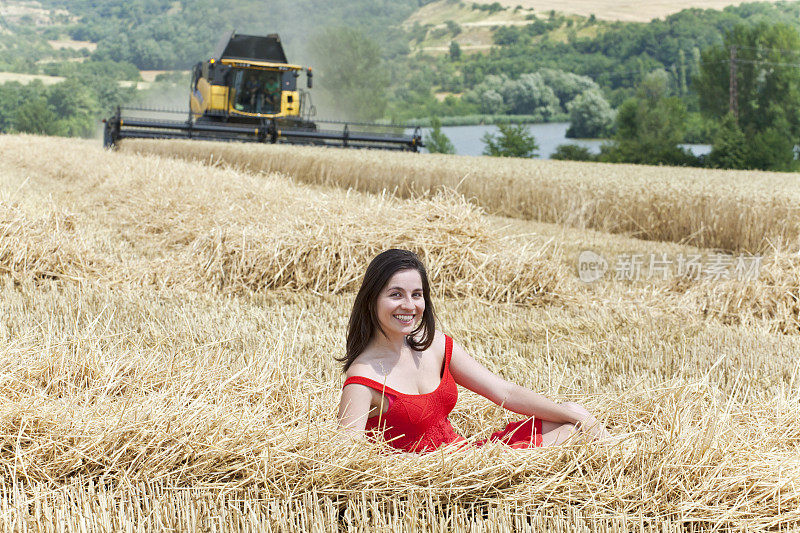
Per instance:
x=467, y=139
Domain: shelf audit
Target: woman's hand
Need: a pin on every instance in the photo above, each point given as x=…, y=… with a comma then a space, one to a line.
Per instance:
x=586, y=422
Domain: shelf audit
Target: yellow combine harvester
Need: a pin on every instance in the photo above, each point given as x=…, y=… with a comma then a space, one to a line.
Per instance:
x=247, y=91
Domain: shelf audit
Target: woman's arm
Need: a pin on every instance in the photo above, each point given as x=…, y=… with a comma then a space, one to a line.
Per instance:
x=354, y=407
x=471, y=374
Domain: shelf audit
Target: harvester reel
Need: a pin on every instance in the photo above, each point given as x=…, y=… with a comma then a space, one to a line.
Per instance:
x=200, y=98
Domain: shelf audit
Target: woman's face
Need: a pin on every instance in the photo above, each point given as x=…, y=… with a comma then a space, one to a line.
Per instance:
x=401, y=303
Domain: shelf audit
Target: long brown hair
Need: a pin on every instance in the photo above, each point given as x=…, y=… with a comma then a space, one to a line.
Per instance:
x=364, y=319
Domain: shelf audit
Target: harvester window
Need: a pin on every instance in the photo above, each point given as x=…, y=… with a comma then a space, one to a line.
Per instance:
x=257, y=91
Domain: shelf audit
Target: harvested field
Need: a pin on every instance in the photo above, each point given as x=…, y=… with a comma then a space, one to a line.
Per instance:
x=616, y=10
x=70, y=44
x=728, y=210
x=15, y=11
x=25, y=79
x=201, y=227
x=168, y=330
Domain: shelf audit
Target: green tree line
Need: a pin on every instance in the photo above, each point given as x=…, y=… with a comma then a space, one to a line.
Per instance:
x=757, y=128
x=72, y=107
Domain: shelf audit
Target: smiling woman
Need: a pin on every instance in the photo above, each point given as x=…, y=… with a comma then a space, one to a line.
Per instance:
x=402, y=374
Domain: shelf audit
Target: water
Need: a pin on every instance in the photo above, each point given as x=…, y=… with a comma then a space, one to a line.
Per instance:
x=467, y=139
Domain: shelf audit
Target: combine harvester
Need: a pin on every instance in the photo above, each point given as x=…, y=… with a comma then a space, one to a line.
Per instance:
x=247, y=92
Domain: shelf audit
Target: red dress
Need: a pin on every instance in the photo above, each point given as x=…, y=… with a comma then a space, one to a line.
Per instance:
x=419, y=423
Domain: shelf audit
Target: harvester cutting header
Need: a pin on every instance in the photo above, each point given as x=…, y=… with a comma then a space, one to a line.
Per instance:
x=248, y=92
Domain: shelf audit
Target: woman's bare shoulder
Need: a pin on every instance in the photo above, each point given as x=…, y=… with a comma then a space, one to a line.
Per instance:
x=364, y=365
x=438, y=341
x=438, y=338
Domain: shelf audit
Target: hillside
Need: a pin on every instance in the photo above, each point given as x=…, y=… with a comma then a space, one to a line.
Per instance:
x=477, y=26
x=172, y=311
x=629, y=11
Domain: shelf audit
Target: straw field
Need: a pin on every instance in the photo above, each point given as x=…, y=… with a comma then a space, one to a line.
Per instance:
x=169, y=322
x=728, y=210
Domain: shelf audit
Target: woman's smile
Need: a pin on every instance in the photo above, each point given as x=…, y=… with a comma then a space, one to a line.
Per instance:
x=405, y=319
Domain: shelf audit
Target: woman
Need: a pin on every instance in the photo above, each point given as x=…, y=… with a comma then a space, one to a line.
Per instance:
x=402, y=373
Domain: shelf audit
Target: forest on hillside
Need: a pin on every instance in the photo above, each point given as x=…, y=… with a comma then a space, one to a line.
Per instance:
x=552, y=67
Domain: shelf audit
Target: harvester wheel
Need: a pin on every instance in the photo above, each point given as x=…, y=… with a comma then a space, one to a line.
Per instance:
x=108, y=138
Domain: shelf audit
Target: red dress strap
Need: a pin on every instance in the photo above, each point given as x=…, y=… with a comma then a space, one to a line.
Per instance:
x=448, y=352
x=371, y=383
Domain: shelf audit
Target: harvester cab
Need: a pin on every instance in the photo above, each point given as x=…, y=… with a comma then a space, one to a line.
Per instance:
x=247, y=91
x=248, y=79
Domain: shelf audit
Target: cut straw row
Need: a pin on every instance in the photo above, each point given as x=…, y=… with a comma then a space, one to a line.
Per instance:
x=729, y=210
